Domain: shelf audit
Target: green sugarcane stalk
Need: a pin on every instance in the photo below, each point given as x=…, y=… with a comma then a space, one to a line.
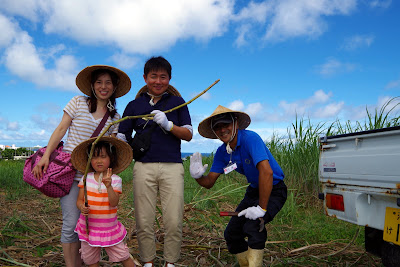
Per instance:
x=149, y=116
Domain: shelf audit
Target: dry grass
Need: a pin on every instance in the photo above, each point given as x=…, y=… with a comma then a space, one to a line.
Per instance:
x=30, y=229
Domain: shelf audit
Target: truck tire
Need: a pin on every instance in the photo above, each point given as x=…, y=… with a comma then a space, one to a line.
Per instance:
x=390, y=254
x=373, y=240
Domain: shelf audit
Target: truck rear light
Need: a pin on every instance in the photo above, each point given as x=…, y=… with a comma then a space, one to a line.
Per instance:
x=334, y=202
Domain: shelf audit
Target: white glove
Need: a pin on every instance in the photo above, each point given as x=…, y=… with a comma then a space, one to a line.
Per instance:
x=196, y=166
x=253, y=213
x=161, y=119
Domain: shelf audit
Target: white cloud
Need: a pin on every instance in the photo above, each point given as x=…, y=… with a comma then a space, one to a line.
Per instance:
x=256, y=12
x=206, y=96
x=236, y=105
x=48, y=123
x=279, y=20
x=254, y=109
x=319, y=105
x=22, y=59
x=333, y=66
x=319, y=97
x=4, y=136
x=380, y=3
x=294, y=18
x=393, y=85
x=124, y=61
x=28, y=9
x=358, y=41
x=244, y=34
x=389, y=103
x=133, y=26
x=329, y=111
x=8, y=31
x=13, y=126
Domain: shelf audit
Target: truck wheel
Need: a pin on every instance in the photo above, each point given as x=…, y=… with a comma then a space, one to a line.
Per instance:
x=390, y=254
x=373, y=240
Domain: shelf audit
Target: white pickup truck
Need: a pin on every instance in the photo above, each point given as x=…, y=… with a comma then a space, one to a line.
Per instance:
x=359, y=175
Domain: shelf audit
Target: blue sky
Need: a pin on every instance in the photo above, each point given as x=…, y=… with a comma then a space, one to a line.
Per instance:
x=323, y=60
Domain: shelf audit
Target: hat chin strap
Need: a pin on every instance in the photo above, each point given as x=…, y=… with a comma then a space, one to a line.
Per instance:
x=151, y=102
x=228, y=147
x=110, y=106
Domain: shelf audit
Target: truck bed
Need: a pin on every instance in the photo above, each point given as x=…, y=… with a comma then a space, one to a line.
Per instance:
x=368, y=160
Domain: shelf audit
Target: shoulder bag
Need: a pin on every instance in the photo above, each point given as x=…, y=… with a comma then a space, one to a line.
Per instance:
x=140, y=143
x=59, y=177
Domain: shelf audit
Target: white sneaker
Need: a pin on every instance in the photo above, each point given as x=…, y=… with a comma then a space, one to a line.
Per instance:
x=148, y=264
x=170, y=265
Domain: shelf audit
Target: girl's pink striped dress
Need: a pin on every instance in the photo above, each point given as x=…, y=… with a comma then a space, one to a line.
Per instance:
x=104, y=228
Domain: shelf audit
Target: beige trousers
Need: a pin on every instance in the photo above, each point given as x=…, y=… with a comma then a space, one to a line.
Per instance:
x=167, y=179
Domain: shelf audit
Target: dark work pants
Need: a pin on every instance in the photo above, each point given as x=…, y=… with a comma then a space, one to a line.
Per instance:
x=240, y=227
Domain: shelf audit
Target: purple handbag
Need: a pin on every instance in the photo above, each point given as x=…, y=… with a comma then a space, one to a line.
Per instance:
x=59, y=177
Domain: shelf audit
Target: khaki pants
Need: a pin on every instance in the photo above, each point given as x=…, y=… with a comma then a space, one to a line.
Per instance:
x=167, y=179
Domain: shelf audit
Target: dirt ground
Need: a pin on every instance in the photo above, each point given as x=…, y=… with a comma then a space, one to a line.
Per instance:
x=30, y=232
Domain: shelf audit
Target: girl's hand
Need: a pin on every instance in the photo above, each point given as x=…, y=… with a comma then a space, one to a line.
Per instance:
x=84, y=210
x=41, y=168
x=107, y=179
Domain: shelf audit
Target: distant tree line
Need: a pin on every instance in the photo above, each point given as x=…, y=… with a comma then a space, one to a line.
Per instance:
x=10, y=153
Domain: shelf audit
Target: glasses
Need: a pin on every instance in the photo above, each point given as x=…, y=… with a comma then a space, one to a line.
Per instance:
x=220, y=126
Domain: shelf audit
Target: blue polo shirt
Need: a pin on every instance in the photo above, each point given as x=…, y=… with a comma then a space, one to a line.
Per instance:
x=165, y=147
x=250, y=150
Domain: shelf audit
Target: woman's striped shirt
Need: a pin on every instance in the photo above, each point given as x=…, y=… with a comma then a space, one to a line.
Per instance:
x=83, y=125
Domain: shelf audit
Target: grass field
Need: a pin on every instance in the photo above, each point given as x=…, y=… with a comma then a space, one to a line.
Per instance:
x=300, y=235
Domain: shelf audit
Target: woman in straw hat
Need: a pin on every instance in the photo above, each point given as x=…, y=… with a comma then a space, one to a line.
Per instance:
x=245, y=152
x=110, y=155
x=102, y=85
x=160, y=169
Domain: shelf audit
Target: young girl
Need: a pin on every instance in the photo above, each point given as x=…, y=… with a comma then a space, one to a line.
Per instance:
x=82, y=115
x=103, y=191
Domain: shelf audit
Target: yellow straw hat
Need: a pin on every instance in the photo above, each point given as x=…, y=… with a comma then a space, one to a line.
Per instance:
x=79, y=156
x=171, y=90
x=83, y=80
x=205, y=129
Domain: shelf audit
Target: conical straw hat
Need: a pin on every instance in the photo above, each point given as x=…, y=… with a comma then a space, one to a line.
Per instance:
x=79, y=156
x=205, y=125
x=83, y=80
x=171, y=90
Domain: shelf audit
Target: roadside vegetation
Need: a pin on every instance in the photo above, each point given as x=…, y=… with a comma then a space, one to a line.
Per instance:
x=300, y=235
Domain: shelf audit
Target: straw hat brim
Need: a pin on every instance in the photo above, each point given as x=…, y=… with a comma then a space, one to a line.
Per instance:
x=205, y=125
x=83, y=80
x=79, y=156
x=170, y=90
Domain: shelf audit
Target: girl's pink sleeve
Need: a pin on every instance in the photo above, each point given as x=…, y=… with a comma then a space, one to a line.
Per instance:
x=116, y=183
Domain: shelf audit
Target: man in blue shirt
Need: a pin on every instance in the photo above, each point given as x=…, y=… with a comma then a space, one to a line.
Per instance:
x=245, y=152
x=160, y=169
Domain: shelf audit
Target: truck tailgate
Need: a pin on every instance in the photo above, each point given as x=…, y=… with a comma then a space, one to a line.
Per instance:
x=370, y=159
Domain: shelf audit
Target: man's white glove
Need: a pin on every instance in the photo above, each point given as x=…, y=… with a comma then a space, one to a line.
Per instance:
x=161, y=119
x=196, y=166
x=253, y=213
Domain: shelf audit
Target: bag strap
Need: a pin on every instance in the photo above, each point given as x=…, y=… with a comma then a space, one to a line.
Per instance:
x=101, y=125
x=55, y=153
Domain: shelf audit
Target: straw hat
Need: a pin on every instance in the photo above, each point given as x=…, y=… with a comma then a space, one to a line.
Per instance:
x=83, y=80
x=205, y=125
x=80, y=157
x=171, y=90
